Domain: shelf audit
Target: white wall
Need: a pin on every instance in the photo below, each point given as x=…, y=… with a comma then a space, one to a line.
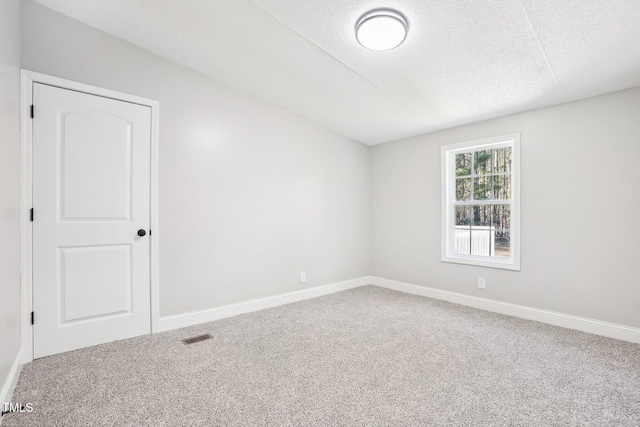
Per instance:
x=580, y=205
x=9, y=186
x=250, y=195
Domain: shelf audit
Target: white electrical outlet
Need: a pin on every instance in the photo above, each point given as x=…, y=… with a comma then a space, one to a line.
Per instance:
x=482, y=284
x=303, y=277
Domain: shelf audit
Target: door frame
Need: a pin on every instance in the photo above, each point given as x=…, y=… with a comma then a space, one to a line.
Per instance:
x=28, y=78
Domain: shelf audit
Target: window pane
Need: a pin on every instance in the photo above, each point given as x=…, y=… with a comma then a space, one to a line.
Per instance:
x=480, y=240
x=481, y=243
x=463, y=189
x=502, y=160
x=462, y=230
x=462, y=241
x=501, y=217
x=482, y=162
x=482, y=188
x=481, y=216
x=463, y=215
x=463, y=164
x=502, y=241
x=501, y=220
x=502, y=187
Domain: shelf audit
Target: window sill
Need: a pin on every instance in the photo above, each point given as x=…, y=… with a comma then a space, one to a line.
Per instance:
x=507, y=264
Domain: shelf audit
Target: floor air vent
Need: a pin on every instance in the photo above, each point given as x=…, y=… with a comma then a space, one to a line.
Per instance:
x=196, y=339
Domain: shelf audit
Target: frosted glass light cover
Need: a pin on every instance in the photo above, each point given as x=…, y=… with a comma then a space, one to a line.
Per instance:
x=381, y=29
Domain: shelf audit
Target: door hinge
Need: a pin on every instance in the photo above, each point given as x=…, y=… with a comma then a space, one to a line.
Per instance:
x=32, y=318
x=149, y=232
x=32, y=111
x=31, y=214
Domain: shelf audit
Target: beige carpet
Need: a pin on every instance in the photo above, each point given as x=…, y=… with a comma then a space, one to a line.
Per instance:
x=368, y=356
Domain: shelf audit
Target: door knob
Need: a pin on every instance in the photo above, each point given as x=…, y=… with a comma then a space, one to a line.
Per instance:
x=141, y=232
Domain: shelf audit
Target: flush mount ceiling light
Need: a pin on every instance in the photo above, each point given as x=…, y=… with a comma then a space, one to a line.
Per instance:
x=381, y=29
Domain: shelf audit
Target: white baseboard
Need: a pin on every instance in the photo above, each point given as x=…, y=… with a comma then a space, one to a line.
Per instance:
x=611, y=330
x=598, y=327
x=195, y=317
x=12, y=379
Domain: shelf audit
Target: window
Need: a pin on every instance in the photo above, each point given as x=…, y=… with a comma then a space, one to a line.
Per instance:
x=481, y=202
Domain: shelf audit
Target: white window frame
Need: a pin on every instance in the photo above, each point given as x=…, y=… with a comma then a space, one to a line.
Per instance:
x=448, y=202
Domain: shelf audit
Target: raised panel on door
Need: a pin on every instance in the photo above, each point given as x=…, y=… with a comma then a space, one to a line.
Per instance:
x=95, y=282
x=95, y=178
x=91, y=194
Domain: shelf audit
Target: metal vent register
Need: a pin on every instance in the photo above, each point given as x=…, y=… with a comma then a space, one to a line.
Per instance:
x=196, y=339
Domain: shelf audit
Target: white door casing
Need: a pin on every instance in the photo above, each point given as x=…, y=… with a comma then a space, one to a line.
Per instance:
x=91, y=195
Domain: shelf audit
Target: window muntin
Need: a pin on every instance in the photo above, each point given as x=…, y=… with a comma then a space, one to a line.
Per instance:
x=481, y=202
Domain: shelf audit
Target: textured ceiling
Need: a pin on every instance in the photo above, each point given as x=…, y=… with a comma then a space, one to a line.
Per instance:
x=463, y=61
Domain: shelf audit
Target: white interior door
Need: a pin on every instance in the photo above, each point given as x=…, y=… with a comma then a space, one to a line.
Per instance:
x=91, y=195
